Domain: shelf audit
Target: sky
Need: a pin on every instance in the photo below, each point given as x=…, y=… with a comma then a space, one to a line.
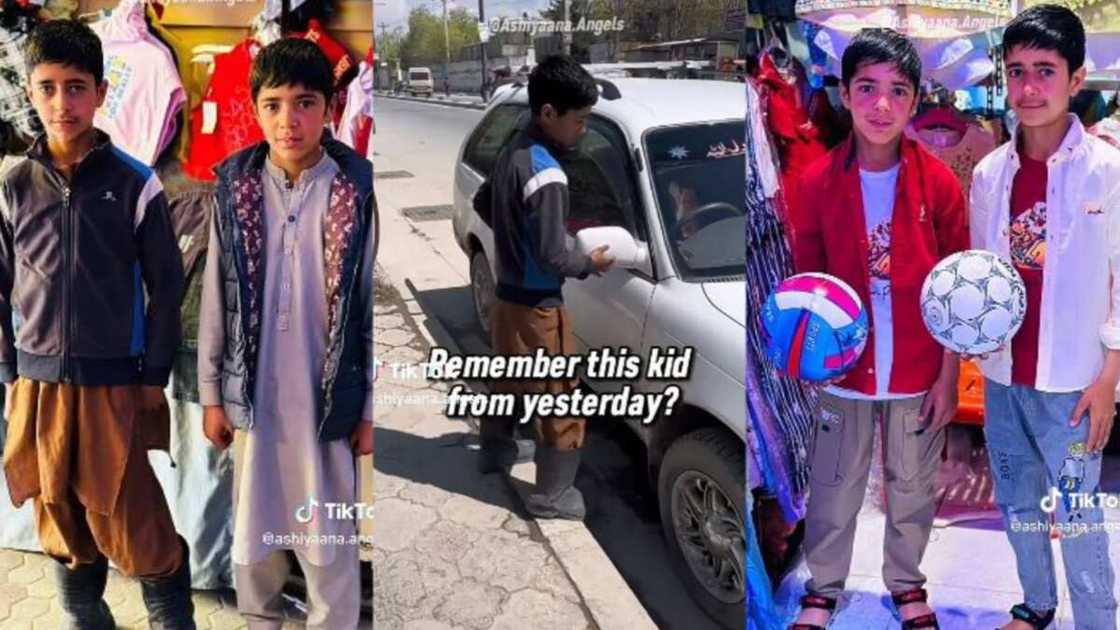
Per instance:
x=394, y=13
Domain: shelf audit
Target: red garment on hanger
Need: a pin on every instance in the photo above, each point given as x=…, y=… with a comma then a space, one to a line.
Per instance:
x=342, y=62
x=237, y=125
x=798, y=139
x=365, y=129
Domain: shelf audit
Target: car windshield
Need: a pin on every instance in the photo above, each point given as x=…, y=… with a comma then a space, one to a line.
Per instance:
x=698, y=174
x=418, y=76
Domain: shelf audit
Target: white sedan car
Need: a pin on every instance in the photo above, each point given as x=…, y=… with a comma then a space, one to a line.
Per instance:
x=663, y=164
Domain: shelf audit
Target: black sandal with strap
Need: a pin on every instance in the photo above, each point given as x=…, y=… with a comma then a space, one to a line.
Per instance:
x=915, y=596
x=1020, y=612
x=815, y=601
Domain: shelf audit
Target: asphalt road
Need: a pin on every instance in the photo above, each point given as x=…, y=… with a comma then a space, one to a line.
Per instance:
x=416, y=146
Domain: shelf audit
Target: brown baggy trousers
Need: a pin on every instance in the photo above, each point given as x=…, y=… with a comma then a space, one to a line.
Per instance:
x=81, y=454
x=517, y=329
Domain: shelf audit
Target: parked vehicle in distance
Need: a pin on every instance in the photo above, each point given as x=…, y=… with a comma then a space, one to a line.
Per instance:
x=420, y=82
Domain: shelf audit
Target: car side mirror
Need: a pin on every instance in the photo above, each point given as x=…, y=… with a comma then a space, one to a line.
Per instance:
x=626, y=251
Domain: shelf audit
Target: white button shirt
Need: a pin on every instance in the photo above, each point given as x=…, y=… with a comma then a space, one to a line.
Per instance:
x=1080, y=310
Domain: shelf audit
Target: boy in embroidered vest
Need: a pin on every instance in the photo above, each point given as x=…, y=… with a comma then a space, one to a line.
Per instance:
x=286, y=340
x=1049, y=201
x=84, y=233
x=874, y=196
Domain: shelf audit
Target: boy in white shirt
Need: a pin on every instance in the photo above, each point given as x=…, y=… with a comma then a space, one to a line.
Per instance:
x=1050, y=202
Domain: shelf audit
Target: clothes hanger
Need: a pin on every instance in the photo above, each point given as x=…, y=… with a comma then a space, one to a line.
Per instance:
x=941, y=115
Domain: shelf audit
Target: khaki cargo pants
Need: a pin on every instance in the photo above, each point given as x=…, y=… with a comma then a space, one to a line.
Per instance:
x=841, y=461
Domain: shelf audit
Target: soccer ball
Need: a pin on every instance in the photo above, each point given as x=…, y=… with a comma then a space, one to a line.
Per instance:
x=816, y=327
x=973, y=302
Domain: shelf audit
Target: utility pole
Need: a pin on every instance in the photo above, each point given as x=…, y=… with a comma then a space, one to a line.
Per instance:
x=380, y=57
x=566, y=34
x=483, y=44
x=447, y=54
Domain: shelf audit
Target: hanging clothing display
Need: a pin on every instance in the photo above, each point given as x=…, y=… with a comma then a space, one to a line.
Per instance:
x=145, y=91
x=778, y=419
x=15, y=107
x=960, y=152
x=765, y=160
x=779, y=408
x=224, y=122
x=190, y=218
x=273, y=8
x=798, y=140
x=356, y=122
x=178, y=127
x=342, y=64
x=341, y=61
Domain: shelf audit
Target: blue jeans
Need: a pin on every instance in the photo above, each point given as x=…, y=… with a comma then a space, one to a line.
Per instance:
x=1036, y=454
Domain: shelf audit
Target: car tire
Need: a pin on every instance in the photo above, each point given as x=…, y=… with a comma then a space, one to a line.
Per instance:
x=708, y=467
x=482, y=290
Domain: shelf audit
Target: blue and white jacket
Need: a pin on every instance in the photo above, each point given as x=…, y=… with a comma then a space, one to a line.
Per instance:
x=91, y=277
x=529, y=207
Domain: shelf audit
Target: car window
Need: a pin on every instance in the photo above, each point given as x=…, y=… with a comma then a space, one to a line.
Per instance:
x=491, y=135
x=697, y=175
x=601, y=188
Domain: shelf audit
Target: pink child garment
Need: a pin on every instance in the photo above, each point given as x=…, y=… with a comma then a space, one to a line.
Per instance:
x=145, y=91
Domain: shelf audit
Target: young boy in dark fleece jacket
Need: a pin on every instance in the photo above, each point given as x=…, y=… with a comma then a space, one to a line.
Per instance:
x=84, y=233
x=528, y=197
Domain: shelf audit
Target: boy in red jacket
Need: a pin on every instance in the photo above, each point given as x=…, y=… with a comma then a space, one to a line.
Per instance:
x=885, y=194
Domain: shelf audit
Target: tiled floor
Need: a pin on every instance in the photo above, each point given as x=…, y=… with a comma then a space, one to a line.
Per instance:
x=970, y=568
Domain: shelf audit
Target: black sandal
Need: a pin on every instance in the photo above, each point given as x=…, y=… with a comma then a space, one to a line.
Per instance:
x=815, y=601
x=918, y=595
x=1020, y=612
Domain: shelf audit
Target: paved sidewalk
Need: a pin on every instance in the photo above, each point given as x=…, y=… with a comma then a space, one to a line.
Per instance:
x=28, y=600
x=970, y=570
x=452, y=549
x=455, y=100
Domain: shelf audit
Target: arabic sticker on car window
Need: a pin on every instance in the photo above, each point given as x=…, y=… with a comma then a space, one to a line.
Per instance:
x=697, y=143
x=726, y=150
x=720, y=150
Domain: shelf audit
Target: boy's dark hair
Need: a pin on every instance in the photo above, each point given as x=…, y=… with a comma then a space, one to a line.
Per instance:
x=1048, y=27
x=68, y=43
x=881, y=45
x=560, y=81
x=292, y=61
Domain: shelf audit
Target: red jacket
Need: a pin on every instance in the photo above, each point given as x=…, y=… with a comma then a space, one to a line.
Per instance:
x=929, y=222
